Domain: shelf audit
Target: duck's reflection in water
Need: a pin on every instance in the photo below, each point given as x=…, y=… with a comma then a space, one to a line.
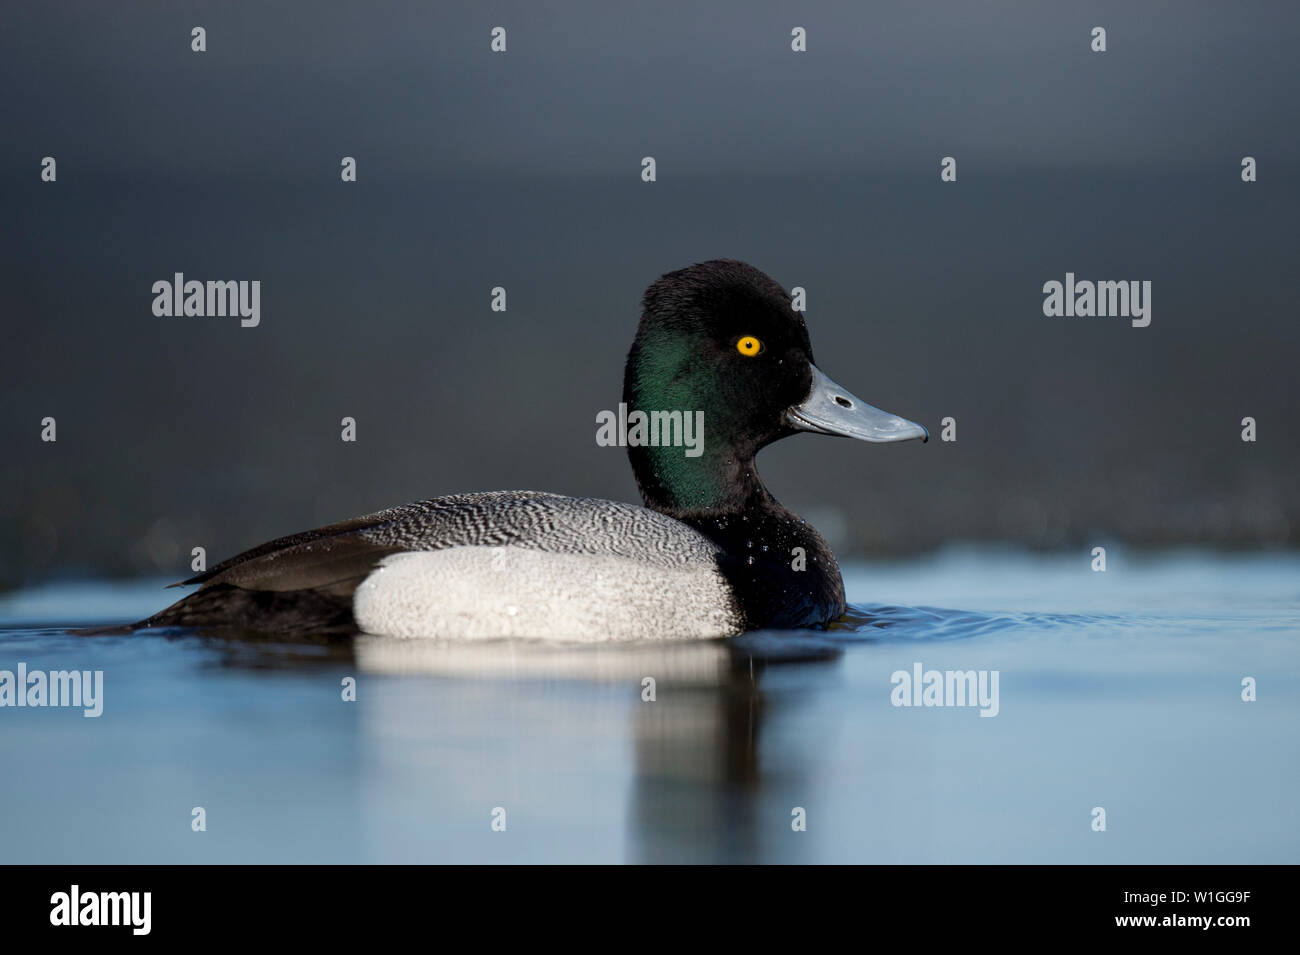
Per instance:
x=699, y=791
x=702, y=792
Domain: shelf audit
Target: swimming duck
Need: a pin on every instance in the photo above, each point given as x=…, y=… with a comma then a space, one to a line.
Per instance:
x=712, y=552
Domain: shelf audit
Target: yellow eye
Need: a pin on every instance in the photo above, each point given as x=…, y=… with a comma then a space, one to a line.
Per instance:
x=749, y=346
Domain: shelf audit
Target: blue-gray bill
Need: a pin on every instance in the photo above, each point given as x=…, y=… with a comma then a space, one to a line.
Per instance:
x=830, y=409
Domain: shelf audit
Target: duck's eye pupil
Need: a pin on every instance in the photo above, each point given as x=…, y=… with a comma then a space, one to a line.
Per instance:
x=749, y=345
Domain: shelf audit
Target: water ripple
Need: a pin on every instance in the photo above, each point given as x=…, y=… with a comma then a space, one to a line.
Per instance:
x=886, y=622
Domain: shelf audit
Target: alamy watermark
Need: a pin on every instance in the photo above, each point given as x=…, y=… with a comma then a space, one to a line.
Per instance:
x=921, y=687
x=75, y=907
x=1085, y=299
x=654, y=429
x=83, y=688
x=209, y=299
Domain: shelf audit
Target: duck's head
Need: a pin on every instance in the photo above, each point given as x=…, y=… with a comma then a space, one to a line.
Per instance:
x=722, y=338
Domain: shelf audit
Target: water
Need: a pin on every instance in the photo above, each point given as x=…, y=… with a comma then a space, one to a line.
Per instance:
x=1120, y=690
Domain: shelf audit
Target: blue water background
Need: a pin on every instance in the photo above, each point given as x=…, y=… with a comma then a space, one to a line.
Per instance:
x=1119, y=690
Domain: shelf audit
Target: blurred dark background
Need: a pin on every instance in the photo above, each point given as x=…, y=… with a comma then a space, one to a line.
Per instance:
x=523, y=170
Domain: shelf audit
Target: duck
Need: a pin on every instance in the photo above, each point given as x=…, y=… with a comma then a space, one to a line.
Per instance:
x=709, y=553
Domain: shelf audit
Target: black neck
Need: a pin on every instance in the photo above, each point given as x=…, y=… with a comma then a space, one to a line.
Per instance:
x=780, y=569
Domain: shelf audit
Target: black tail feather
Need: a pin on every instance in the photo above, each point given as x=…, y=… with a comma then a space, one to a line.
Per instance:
x=285, y=612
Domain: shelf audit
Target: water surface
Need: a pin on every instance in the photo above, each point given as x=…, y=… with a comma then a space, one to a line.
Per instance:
x=1119, y=689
